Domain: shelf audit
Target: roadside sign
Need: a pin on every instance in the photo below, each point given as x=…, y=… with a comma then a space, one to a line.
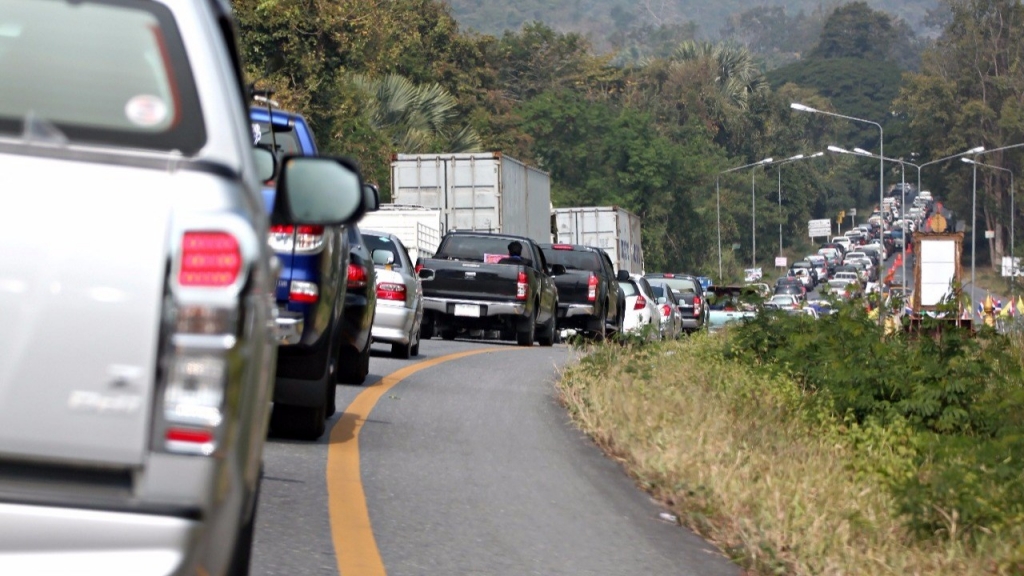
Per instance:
x=990, y=234
x=821, y=227
x=1011, y=267
x=780, y=262
x=752, y=274
x=852, y=211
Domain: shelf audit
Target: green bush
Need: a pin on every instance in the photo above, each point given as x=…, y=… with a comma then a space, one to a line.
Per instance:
x=957, y=394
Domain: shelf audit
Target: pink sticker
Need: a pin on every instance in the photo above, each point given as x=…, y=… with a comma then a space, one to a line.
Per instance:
x=146, y=110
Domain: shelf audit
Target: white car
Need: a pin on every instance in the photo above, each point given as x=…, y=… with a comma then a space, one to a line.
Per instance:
x=671, y=321
x=783, y=301
x=641, y=308
x=843, y=241
x=820, y=265
x=804, y=276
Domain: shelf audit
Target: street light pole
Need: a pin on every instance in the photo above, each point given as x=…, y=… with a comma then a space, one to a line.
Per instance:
x=718, y=194
x=718, y=201
x=753, y=220
x=1012, y=267
x=974, y=220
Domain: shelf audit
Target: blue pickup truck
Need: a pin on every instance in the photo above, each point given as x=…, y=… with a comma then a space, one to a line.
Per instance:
x=310, y=294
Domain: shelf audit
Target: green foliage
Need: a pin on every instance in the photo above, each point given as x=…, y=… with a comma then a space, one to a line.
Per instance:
x=955, y=398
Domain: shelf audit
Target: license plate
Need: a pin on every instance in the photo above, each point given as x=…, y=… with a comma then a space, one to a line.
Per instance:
x=467, y=310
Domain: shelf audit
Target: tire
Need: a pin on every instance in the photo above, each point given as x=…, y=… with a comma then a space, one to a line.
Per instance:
x=401, y=351
x=527, y=331
x=598, y=329
x=415, y=351
x=550, y=333
x=300, y=422
x=353, y=368
x=426, y=329
x=332, y=402
x=448, y=334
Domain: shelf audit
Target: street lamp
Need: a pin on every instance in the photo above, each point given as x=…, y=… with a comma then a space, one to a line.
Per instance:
x=718, y=195
x=881, y=166
x=780, y=163
x=1012, y=266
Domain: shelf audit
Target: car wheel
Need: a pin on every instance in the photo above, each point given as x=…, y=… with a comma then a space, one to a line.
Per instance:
x=353, y=368
x=401, y=351
x=426, y=329
x=301, y=422
x=332, y=402
x=526, y=331
x=598, y=329
x=547, y=337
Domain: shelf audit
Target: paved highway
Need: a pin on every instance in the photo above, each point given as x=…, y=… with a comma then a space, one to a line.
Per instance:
x=462, y=465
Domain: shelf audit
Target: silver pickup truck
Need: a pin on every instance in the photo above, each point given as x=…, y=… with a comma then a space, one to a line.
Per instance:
x=137, y=322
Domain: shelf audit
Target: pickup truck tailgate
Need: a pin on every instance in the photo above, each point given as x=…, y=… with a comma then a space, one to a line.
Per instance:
x=573, y=287
x=83, y=253
x=471, y=280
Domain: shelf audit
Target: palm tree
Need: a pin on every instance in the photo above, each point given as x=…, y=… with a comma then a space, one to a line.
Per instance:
x=737, y=76
x=416, y=117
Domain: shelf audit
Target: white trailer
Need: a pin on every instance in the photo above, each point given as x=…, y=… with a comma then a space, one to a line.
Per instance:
x=614, y=229
x=417, y=227
x=486, y=192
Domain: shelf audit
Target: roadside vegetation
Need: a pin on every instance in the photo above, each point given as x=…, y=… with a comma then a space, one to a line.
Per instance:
x=820, y=447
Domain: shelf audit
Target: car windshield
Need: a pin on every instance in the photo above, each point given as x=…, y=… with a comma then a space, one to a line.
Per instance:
x=98, y=71
x=374, y=242
x=659, y=292
x=628, y=288
x=574, y=259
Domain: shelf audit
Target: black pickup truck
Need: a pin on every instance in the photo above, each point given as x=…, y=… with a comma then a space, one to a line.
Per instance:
x=472, y=284
x=589, y=298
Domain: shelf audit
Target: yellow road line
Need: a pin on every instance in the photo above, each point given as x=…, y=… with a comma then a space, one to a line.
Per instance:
x=354, y=544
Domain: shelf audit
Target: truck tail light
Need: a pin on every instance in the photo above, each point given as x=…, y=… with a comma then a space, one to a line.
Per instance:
x=303, y=292
x=522, y=286
x=696, y=305
x=300, y=239
x=592, y=288
x=356, y=276
x=641, y=303
x=391, y=291
x=209, y=260
x=562, y=246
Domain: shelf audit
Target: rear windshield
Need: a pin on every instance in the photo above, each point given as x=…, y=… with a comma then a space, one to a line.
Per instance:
x=681, y=285
x=479, y=249
x=97, y=71
x=374, y=242
x=573, y=259
x=657, y=291
x=287, y=141
x=628, y=288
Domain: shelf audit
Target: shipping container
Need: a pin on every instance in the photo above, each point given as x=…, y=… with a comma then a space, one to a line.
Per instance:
x=614, y=229
x=484, y=192
x=418, y=228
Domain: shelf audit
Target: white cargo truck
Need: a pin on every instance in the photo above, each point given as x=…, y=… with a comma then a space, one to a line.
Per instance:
x=418, y=228
x=614, y=229
x=484, y=192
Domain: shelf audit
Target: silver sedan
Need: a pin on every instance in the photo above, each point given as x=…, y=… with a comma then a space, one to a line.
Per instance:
x=399, y=295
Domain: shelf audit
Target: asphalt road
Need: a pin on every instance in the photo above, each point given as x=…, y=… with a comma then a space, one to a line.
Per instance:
x=468, y=466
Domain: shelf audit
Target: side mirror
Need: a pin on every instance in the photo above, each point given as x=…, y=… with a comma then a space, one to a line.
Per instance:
x=319, y=191
x=371, y=197
x=425, y=274
x=557, y=269
x=383, y=257
x=622, y=276
x=266, y=163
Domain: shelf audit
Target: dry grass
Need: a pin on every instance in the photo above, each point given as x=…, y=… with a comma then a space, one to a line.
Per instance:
x=732, y=454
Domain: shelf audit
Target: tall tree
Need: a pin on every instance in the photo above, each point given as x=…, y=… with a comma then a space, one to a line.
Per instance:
x=970, y=92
